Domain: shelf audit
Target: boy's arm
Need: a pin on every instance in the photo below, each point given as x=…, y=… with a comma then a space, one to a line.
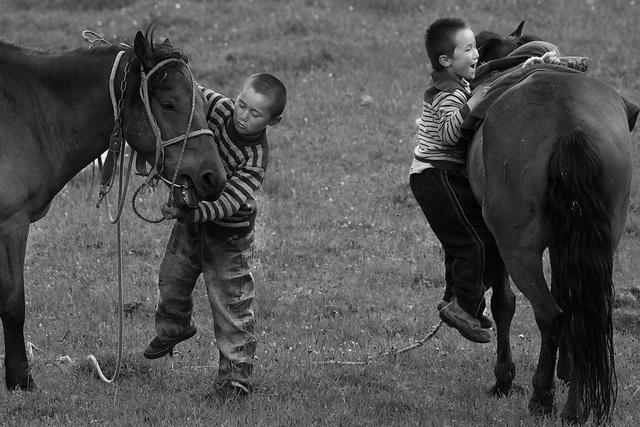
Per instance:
x=452, y=109
x=216, y=106
x=244, y=183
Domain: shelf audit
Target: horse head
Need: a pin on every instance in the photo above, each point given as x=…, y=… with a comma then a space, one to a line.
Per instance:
x=166, y=123
x=494, y=46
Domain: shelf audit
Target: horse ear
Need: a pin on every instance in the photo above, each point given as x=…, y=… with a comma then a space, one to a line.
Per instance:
x=142, y=49
x=518, y=32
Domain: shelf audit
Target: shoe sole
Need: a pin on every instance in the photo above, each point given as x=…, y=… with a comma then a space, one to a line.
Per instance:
x=470, y=337
x=485, y=322
x=169, y=349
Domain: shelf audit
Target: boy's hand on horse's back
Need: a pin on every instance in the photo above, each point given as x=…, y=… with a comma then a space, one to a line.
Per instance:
x=550, y=57
x=478, y=95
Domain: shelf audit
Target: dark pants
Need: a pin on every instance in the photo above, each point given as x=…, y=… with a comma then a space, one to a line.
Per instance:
x=472, y=260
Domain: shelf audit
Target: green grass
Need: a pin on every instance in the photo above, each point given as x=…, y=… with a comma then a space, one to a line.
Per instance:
x=345, y=263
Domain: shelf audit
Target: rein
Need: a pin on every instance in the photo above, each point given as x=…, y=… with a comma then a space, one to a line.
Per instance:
x=156, y=173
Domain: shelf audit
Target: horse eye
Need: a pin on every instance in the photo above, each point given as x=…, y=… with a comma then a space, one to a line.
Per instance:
x=167, y=106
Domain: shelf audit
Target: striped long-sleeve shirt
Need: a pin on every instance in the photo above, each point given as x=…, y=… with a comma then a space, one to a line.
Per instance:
x=245, y=162
x=444, y=109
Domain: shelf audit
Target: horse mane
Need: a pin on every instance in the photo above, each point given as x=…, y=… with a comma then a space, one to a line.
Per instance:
x=485, y=39
x=9, y=45
x=164, y=50
x=492, y=45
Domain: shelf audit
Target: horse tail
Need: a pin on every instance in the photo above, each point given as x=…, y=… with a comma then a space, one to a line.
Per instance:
x=581, y=254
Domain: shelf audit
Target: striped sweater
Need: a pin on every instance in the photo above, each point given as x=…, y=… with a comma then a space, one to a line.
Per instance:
x=245, y=162
x=444, y=109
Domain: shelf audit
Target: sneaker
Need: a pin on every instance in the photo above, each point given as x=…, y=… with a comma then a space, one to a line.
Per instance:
x=468, y=326
x=232, y=389
x=159, y=347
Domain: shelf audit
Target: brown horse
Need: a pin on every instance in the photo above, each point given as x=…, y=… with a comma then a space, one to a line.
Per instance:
x=57, y=115
x=551, y=167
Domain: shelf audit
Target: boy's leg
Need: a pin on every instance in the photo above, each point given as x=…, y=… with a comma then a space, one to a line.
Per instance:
x=455, y=217
x=178, y=273
x=231, y=290
x=448, y=292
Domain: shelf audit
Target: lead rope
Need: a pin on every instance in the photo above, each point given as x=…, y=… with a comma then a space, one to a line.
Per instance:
x=122, y=189
x=392, y=354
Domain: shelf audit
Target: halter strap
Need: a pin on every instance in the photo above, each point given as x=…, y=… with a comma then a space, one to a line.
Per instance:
x=160, y=143
x=112, y=91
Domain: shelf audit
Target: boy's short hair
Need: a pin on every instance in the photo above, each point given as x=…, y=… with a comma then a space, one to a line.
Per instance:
x=438, y=39
x=269, y=85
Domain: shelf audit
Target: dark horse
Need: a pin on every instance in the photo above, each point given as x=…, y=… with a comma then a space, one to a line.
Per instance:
x=494, y=46
x=57, y=115
x=551, y=167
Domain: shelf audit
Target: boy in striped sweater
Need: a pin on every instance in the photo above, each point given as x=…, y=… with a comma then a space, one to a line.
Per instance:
x=440, y=185
x=215, y=238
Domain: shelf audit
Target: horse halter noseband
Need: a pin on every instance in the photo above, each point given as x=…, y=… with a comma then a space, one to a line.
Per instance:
x=117, y=138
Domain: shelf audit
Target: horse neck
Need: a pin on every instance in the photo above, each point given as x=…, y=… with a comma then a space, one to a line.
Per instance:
x=65, y=103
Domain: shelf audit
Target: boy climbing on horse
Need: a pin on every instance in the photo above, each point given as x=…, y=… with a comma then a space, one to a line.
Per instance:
x=215, y=239
x=440, y=185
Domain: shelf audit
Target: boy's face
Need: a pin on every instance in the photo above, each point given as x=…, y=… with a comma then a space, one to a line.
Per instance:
x=252, y=111
x=465, y=55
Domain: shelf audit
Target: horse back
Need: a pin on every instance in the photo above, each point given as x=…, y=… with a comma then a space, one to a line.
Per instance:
x=508, y=166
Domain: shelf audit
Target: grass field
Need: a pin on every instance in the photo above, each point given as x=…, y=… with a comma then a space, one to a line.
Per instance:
x=345, y=263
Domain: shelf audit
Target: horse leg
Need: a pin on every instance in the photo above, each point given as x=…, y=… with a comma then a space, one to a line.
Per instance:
x=503, y=307
x=13, y=241
x=573, y=411
x=525, y=267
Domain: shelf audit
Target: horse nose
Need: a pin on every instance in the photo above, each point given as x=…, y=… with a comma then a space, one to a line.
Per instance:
x=214, y=183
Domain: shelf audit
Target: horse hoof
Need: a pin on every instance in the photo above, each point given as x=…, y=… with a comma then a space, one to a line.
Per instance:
x=572, y=416
x=540, y=409
x=500, y=390
x=26, y=384
x=570, y=421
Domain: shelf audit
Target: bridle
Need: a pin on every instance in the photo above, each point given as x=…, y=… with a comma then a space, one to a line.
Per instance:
x=116, y=145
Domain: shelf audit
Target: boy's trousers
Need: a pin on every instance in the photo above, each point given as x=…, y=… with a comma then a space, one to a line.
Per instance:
x=472, y=260
x=224, y=262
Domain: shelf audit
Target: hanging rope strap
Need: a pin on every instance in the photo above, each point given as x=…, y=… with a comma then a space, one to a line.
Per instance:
x=116, y=151
x=91, y=357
